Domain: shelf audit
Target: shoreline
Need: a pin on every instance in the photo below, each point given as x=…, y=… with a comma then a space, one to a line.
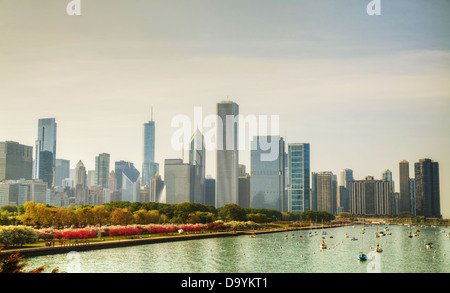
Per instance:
x=50, y=250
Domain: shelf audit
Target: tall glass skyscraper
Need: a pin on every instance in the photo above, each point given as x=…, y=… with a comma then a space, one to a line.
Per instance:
x=149, y=167
x=267, y=176
x=299, y=177
x=227, y=159
x=45, y=151
x=102, y=170
x=405, y=194
x=197, y=161
x=427, y=188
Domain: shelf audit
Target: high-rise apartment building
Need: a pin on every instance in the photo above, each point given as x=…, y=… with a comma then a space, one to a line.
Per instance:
x=16, y=161
x=427, y=188
x=45, y=151
x=267, y=183
x=299, y=177
x=102, y=170
x=370, y=197
x=227, y=158
x=324, y=191
x=404, y=194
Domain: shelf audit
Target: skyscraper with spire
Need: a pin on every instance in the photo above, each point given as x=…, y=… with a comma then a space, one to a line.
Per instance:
x=149, y=166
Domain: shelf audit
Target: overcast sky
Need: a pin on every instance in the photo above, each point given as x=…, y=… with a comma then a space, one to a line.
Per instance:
x=365, y=91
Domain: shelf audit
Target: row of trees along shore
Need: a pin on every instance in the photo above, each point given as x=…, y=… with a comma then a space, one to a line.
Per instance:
x=126, y=213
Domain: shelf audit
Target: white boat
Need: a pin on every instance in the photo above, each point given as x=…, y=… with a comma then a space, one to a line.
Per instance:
x=323, y=245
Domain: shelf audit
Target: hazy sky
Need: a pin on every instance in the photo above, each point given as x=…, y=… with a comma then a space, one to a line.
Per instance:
x=365, y=91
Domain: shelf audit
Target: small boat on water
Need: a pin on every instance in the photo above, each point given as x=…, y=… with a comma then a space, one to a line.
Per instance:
x=346, y=235
x=429, y=245
x=378, y=249
x=362, y=256
x=323, y=245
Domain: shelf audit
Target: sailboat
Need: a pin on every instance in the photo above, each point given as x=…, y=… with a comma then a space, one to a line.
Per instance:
x=362, y=256
x=378, y=249
x=410, y=235
x=323, y=245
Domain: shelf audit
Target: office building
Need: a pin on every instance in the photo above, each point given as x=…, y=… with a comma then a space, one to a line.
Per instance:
x=37, y=191
x=197, y=161
x=427, y=187
x=227, y=155
x=177, y=179
x=299, y=177
x=81, y=188
x=16, y=161
x=267, y=176
x=130, y=183
x=13, y=192
x=210, y=191
x=62, y=171
x=404, y=194
x=244, y=187
x=45, y=151
x=346, y=175
x=101, y=170
x=156, y=189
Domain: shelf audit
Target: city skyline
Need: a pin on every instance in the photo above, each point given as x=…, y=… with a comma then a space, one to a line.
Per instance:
x=365, y=92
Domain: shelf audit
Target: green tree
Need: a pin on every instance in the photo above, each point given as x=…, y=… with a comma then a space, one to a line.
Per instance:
x=257, y=218
x=17, y=235
x=232, y=212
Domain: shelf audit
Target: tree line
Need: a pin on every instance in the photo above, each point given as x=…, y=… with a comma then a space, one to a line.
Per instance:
x=124, y=213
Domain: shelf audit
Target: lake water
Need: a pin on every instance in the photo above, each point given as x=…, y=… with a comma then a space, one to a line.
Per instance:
x=283, y=252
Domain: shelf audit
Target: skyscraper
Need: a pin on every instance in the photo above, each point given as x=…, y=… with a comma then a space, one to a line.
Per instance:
x=267, y=176
x=299, y=177
x=130, y=183
x=102, y=170
x=45, y=151
x=405, y=194
x=81, y=189
x=323, y=191
x=210, y=190
x=197, y=161
x=177, y=178
x=62, y=171
x=16, y=161
x=370, y=197
x=346, y=176
x=149, y=167
x=427, y=188
x=227, y=158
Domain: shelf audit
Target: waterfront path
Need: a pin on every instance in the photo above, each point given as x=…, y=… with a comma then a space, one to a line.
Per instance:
x=58, y=249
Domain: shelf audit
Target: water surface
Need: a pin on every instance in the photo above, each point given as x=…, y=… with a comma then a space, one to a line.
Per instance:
x=283, y=252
